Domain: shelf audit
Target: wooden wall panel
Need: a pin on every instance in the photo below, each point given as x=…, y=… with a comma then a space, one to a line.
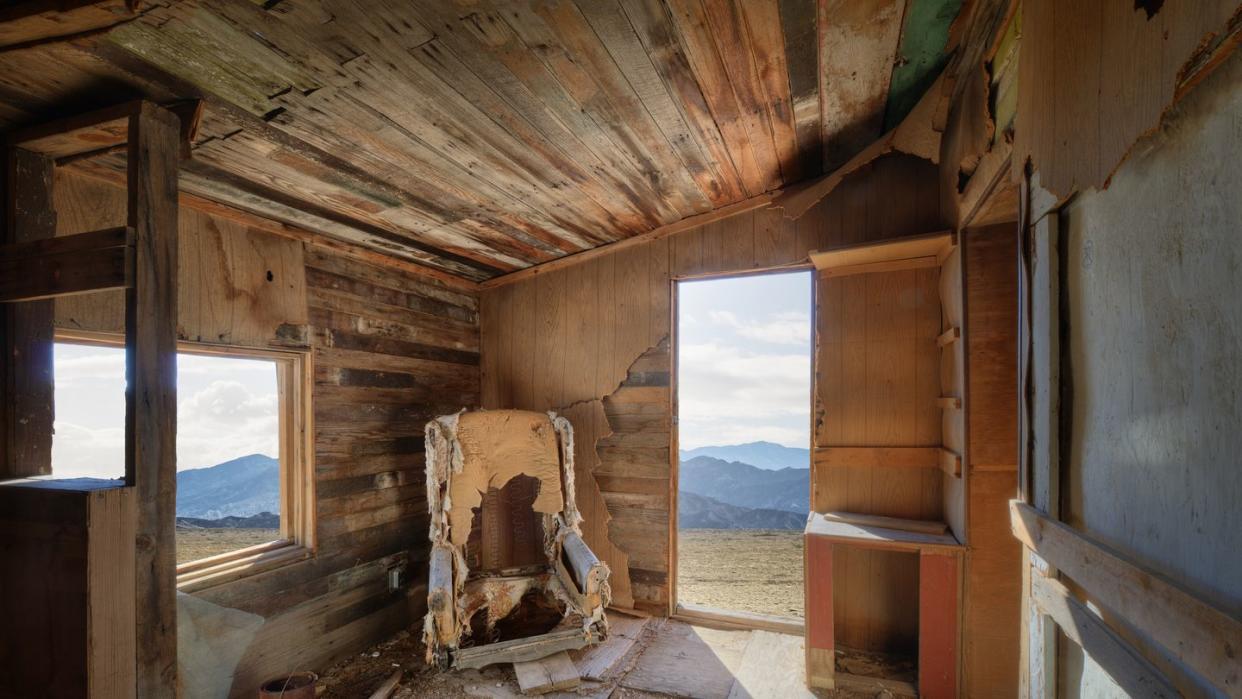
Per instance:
x=239, y=285
x=877, y=381
x=390, y=350
x=993, y=563
x=1094, y=77
x=611, y=317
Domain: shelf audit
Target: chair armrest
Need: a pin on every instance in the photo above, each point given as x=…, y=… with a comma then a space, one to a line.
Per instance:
x=589, y=572
x=441, y=600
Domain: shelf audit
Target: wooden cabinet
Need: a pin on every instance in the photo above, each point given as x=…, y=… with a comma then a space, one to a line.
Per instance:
x=66, y=588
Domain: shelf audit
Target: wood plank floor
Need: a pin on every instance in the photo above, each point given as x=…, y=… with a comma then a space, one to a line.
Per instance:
x=644, y=658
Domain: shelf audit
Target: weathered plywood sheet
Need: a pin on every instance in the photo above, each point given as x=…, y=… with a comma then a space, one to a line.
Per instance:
x=1151, y=470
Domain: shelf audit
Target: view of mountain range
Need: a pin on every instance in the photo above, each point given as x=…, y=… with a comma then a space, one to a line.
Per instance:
x=759, y=485
x=719, y=487
x=244, y=487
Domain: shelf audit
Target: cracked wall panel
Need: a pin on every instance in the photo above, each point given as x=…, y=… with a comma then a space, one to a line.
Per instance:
x=1081, y=110
x=591, y=424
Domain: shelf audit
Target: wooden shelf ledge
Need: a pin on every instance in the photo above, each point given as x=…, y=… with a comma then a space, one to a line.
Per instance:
x=879, y=537
x=73, y=264
x=912, y=252
x=878, y=457
x=949, y=402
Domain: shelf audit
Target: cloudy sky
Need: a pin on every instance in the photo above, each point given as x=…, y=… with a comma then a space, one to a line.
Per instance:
x=745, y=360
x=226, y=408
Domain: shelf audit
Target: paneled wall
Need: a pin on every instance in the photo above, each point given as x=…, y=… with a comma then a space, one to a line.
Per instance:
x=600, y=331
x=876, y=384
x=390, y=349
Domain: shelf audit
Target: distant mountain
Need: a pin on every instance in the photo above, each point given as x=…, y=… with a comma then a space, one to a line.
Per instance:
x=263, y=520
x=239, y=488
x=698, y=512
x=764, y=455
x=743, y=485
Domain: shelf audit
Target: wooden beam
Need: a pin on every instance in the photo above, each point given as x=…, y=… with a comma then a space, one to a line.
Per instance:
x=151, y=393
x=86, y=262
x=914, y=247
x=28, y=388
x=34, y=21
x=685, y=224
x=885, y=266
x=1129, y=670
x=1198, y=634
x=878, y=457
x=82, y=133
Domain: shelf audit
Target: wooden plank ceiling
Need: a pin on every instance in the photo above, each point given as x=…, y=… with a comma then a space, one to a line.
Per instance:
x=486, y=136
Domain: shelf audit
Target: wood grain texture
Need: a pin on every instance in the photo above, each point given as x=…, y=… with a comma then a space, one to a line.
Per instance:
x=475, y=138
x=602, y=329
x=151, y=391
x=992, y=590
x=26, y=328
x=1081, y=109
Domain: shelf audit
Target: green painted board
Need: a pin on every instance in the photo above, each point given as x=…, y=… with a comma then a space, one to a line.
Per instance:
x=921, y=55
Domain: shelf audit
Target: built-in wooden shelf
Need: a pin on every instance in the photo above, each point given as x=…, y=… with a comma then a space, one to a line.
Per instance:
x=949, y=336
x=949, y=402
x=912, y=252
x=878, y=537
x=921, y=526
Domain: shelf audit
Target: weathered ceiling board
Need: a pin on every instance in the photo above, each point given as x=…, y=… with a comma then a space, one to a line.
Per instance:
x=858, y=47
x=487, y=137
x=1095, y=77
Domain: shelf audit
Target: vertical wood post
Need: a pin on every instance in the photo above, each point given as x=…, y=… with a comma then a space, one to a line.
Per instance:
x=151, y=405
x=820, y=625
x=26, y=328
x=938, y=621
x=1042, y=445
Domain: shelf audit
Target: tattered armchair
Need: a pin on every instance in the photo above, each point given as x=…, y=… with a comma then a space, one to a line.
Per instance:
x=510, y=577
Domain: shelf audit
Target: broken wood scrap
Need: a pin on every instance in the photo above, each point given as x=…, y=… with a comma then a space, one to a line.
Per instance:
x=550, y=674
x=597, y=662
x=385, y=690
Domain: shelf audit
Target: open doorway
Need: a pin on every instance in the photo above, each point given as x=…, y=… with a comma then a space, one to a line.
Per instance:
x=743, y=355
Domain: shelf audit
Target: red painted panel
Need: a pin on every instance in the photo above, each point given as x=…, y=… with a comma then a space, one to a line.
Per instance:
x=819, y=625
x=937, y=626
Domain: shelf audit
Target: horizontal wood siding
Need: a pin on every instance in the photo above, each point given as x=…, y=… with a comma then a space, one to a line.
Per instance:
x=390, y=349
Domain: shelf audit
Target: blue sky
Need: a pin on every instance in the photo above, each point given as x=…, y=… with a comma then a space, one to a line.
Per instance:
x=744, y=354
x=226, y=408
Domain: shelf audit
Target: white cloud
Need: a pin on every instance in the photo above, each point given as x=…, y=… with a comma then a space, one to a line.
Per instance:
x=784, y=328
x=228, y=408
x=729, y=395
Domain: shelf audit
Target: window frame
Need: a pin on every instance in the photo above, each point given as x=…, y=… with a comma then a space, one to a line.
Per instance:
x=295, y=383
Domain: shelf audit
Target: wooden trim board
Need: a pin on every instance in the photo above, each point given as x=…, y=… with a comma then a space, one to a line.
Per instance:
x=731, y=619
x=664, y=231
x=1198, y=634
x=921, y=250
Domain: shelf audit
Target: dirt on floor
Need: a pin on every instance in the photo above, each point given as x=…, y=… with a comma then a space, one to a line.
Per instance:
x=358, y=676
x=749, y=570
x=195, y=544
